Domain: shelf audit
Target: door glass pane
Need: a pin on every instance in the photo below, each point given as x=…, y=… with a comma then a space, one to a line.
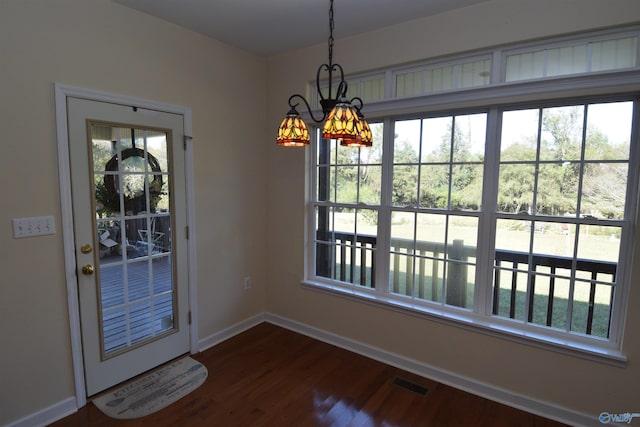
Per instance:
x=133, y=226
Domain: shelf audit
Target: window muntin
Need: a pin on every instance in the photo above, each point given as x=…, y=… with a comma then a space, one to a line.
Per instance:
x=438, y=162
x=566, y=169
x=345, y=244
x=350, y=176
x=548, y=153
x=433, y=257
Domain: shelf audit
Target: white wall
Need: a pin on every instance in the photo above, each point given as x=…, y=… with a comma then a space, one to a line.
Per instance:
x=572, y=383
x=101, y=45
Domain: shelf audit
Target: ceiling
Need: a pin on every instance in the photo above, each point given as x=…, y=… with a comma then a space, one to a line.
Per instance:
x=269, y=27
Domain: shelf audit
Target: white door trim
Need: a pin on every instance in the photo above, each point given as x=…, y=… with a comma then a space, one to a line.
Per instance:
x=62, y=92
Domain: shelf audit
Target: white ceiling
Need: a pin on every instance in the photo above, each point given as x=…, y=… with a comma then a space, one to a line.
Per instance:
x=268, y=27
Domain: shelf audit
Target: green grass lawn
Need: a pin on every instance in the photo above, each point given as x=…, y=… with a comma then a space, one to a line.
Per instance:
x=601, y=312
x=599, y=327
x=596, y=243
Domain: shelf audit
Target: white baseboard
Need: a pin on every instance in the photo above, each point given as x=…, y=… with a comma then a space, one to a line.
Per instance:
x=47, y=415
x=231, y=331
x=525, y=403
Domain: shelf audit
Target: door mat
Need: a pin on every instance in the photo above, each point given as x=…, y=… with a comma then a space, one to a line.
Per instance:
x=154, y=391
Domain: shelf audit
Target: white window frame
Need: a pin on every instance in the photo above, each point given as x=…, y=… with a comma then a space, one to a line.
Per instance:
x=603, y=85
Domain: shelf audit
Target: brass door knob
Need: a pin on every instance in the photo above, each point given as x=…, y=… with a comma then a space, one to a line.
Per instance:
x=85, y=249
x=87, y=269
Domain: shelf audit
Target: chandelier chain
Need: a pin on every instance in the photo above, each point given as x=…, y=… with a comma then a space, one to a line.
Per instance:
x=330, y=33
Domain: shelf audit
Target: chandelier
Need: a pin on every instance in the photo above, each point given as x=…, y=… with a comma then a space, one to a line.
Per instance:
x=343, y=119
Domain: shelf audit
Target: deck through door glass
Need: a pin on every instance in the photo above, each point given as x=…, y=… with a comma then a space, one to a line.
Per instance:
x=133, y=226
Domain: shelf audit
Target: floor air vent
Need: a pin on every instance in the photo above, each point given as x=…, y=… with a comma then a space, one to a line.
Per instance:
x=411, y=386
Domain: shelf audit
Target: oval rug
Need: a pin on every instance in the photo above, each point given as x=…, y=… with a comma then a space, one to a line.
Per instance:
x=153, y=391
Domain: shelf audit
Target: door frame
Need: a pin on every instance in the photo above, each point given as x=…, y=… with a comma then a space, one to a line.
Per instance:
x=62, y=92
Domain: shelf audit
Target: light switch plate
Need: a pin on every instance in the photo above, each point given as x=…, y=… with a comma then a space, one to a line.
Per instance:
x=36, y=226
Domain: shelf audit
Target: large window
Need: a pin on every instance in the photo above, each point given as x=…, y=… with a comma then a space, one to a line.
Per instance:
x=492, y=200
x=546, y=188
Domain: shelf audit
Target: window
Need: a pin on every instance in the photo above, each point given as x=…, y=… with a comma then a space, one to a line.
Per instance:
x=563, y=177
x=501, y=207
x=600, y=52
x=468, y=73
x=402, y=221
x=436, y=199
x=349, y=181
x=573, y=58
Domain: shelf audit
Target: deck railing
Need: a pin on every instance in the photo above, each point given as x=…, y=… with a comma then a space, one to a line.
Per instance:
x=353, y=258
x=508, y=263
x=429, y=257
x=353, y=254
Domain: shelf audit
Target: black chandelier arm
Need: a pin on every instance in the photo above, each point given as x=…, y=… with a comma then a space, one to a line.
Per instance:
x=342, y=89
x=357, y=98
x=342, y=86
x=320, y=68
x=306, y=103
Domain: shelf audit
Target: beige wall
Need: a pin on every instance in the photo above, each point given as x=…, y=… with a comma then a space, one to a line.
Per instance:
x=101, y=45
x=573, y=383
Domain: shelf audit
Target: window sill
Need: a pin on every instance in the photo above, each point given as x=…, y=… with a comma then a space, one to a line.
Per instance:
x=497, y=327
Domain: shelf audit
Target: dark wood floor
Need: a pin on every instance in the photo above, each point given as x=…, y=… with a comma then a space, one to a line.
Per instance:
x=270, y=376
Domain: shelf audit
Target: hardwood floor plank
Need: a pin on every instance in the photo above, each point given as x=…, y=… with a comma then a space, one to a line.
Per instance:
x=270, y=376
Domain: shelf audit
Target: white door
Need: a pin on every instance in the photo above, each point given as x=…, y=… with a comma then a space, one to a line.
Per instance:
x=129, y=209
